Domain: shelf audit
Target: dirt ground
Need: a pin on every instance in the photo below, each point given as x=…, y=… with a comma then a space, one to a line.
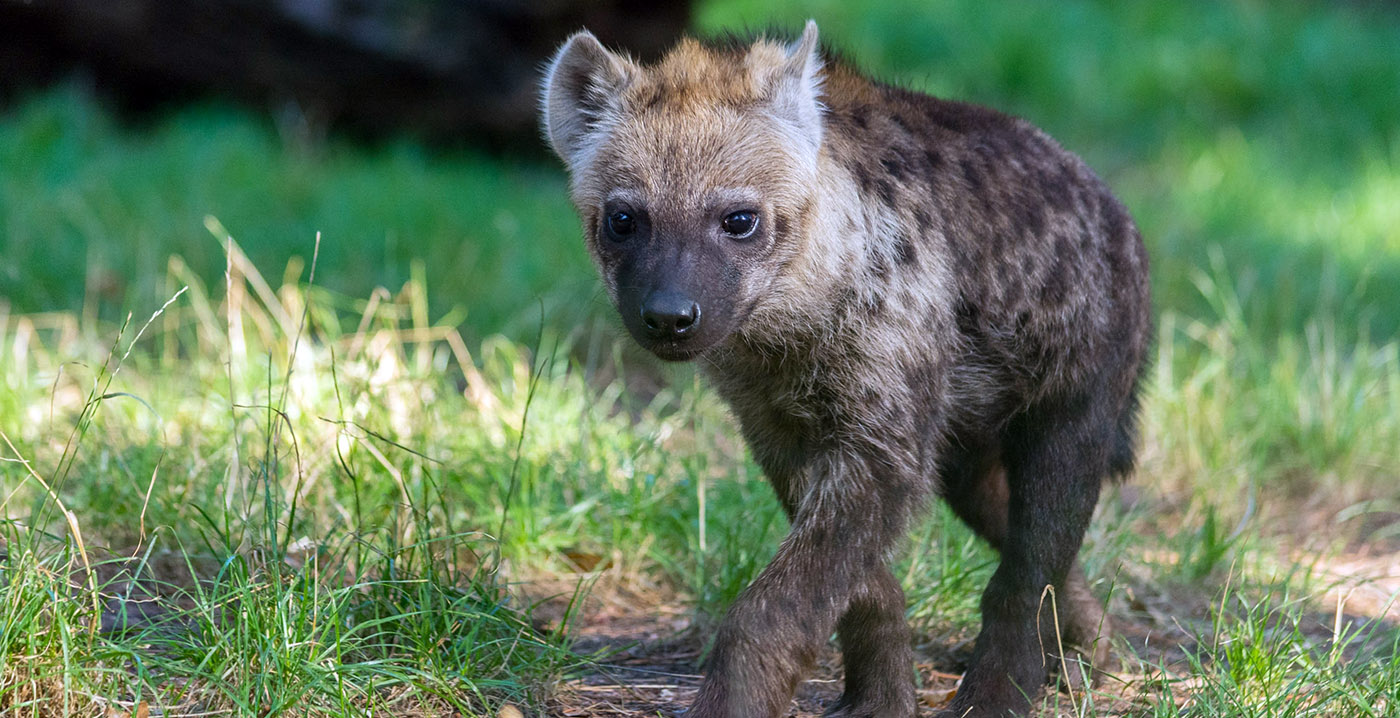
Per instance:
x=648, y=655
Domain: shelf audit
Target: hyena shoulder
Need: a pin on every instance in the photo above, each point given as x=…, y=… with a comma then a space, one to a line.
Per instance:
x=1037, y=265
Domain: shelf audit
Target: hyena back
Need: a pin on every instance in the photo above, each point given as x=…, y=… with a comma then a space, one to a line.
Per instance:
x=899, y=296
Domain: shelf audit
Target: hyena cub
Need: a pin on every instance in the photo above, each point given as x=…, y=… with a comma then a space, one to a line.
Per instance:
x=899, y=296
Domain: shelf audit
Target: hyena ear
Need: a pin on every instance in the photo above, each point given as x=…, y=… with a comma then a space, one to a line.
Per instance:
x=581, y=86
x=797, y=90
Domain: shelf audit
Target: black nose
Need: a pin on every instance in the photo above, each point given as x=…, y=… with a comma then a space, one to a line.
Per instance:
x=669, y=314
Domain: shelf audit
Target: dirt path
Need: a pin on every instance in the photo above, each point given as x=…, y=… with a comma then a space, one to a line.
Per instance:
x=648, y=660
x=648, y=655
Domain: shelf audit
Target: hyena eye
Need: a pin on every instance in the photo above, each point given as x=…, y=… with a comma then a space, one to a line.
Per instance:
x=621, y=224
x=740, y=224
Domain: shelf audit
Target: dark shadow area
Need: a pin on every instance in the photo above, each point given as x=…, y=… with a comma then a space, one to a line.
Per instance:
x=448, y=71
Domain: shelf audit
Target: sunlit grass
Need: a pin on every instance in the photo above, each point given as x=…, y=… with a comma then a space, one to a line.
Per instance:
x=1274, y=653
x=252, y=544
x=255, y=476
x=294, y=507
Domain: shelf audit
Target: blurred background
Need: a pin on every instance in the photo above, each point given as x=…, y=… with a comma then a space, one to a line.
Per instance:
x=1255, y=142
x=439, y=69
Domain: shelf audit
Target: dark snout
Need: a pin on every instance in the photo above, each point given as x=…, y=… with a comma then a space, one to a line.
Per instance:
x=677, y=299
x=669, y=314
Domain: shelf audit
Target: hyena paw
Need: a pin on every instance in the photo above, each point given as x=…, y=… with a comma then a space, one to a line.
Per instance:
x=974, y=712
x=988, y=698
x=902, y=707
x=1080, y=665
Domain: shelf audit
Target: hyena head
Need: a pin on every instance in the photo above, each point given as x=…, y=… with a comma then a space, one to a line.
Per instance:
x=692, y=177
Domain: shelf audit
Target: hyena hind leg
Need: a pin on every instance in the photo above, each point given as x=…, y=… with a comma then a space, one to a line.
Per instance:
x=1055, y=460
x=1085, y=634
x=976, y=489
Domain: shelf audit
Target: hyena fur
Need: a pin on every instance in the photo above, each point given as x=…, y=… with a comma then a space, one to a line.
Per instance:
x=898, y=296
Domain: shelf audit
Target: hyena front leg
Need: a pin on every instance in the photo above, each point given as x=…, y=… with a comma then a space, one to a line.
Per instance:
x=875, y=645
x=830, y=566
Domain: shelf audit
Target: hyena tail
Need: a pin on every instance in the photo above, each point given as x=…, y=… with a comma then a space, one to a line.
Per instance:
x=1122, y=457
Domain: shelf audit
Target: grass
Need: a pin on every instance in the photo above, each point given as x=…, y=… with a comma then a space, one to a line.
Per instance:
x=395, y=487
x=313, y=518
x=1267, y=654
x=83, y=197
x=241, y=597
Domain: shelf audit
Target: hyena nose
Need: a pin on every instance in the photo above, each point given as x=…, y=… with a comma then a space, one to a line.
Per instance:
x=669, y=314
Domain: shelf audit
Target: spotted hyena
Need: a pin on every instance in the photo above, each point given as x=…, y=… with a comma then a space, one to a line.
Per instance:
x=899, y=296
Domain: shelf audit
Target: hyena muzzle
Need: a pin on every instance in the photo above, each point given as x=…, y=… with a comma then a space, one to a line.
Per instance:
x=899, y=296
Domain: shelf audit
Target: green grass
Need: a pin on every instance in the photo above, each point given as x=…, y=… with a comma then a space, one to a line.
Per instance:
x=91, y=212
x=320, y=520
x=295, y=496
x=222, y=577
x=1268, y=653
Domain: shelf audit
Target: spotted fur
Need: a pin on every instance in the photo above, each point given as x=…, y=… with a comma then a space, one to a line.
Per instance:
x=937, y=299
